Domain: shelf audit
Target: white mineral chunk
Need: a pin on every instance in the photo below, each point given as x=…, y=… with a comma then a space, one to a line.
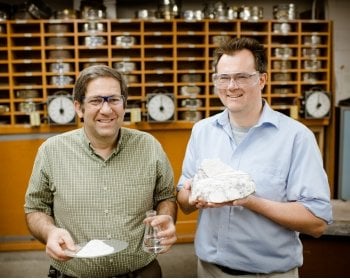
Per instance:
x=218, y=182
x=95, y=248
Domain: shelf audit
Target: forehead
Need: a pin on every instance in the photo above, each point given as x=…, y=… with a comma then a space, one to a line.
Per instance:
x=239, y=61
x=103, y=86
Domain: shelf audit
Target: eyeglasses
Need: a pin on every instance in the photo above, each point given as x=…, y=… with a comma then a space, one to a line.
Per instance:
x=222, y=81
x=98, y=101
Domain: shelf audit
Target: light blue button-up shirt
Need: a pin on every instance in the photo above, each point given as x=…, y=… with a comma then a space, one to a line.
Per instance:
x=284, y=160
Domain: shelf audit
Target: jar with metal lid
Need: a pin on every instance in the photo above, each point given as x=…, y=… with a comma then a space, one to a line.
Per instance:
x=58, y=28
x=94, y=41
x=27, y=93
x=167, y=9
x=3, y=15
x=284, y=12
x=60, y=54
x=93, y=26
x=58, y=41
x=282, y=90
x=4, y=109
x=283, y=27
x=220, y=10
x=312, y=64
x=282, y=77
x=311, y=52
x=193, y=15
x=28, y=107
x=89, y=64
x=66, y=14
x=312, y=40
x=310, y=77
x=191, y=103
x=283, y=52
x=131, y=78
x=281, y=64
x=245, y=13
x=125, y=67
x=191, y=115
x=93, y=14
x=257, y=13
x=233, y=12
x=191, y=78
x=60, y=67
x=190, y=90
x=61, y=80
x=125, y=41
x=218, y=39
x=146, y=14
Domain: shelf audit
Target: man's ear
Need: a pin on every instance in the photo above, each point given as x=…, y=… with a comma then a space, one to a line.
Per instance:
x=79, y=109
x=262, y=80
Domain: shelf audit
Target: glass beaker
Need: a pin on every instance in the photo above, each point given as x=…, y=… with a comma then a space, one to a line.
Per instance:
x=151, y=243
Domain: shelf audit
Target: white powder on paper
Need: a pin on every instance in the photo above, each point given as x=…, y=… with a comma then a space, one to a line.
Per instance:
x=95, y=248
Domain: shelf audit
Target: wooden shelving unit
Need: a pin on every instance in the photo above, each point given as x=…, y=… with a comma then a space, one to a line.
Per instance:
x=173, y=56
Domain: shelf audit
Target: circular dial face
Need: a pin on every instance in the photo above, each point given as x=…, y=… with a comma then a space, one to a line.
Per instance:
x=317, y=104
x=61, y=110
x=161, y=107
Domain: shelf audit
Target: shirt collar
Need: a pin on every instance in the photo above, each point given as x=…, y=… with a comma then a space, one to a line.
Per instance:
x=267, y=117
x=87, y=142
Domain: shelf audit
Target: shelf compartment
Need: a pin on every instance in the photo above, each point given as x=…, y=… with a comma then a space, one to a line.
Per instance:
x=192, y=51
x=190, y=27
x=159, y=65
x=125, y=54
x=157, y=26
x=25, y=28
x=222, y=27
x=159, y=54
x=158, y=41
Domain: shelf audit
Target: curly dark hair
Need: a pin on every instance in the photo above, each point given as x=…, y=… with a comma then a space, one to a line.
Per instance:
x=230, y=46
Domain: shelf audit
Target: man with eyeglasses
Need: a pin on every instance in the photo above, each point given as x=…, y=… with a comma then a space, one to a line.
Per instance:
x=97, y=183
x=256, y=236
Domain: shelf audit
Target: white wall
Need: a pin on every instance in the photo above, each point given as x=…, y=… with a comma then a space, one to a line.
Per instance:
x=339, y=12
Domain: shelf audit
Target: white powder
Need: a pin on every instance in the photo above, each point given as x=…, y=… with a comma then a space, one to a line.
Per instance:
x=95, y=248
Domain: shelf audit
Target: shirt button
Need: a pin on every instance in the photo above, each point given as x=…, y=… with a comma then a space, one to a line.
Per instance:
x=110, y=260
x=109, y=236
x=106, y=211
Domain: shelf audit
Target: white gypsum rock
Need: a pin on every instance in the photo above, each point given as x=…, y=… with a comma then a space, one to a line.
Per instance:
x=218, y=182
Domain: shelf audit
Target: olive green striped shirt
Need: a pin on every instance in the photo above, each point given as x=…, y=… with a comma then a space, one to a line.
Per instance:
x=95, y=198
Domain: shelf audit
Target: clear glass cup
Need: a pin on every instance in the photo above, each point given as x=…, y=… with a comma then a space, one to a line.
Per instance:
x=151, y=243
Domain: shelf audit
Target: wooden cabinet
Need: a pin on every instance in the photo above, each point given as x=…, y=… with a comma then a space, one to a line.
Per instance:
x=38, y=58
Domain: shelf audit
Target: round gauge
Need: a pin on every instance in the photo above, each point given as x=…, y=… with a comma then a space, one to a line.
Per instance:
x=61, y=109
x=317, y=104
x=160, y=107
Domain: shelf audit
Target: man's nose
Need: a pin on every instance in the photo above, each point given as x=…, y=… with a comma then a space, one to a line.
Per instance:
x=233, y=83
x=105, y=106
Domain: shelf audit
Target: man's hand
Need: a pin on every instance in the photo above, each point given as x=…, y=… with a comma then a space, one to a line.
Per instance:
x=59, y=240
x=167, y=230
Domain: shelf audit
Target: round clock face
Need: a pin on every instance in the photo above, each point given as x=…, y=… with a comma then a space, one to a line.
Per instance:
x=317, y=104
x=161, y=107
x=61, y=110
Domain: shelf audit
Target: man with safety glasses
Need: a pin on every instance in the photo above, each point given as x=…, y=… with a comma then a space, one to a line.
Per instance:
x=95, y=185
x=256, y=236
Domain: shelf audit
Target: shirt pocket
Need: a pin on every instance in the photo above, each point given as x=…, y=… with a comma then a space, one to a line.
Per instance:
x=270, y=182
x=137, y=194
